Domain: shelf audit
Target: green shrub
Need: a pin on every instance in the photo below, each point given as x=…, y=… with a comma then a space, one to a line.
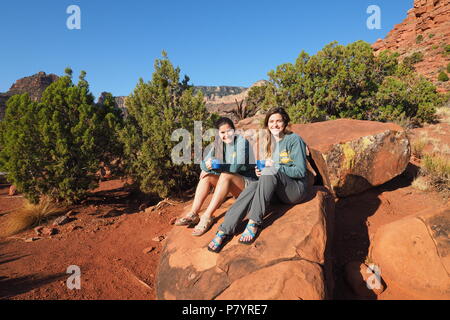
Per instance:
x=411, y=60
x=448, y=68
x=350, y=82
x=54, y=147
x=155, y=110
x=443, y=76
x=431, y=35
x=419, y=39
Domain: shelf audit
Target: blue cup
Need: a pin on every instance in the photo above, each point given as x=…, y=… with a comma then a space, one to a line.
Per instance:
x=260, y=164
x=215, y=164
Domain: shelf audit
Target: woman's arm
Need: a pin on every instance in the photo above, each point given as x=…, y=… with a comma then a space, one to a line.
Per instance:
x=203, y=163
x=296, y=168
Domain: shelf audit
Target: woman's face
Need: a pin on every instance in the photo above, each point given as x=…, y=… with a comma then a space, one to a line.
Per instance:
x=276, y=124
x=226, y=133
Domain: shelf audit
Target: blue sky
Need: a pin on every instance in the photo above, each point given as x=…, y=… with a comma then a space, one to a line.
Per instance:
x=214, y=42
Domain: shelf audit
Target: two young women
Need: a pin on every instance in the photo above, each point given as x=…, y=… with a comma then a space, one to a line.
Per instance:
x=283, y=176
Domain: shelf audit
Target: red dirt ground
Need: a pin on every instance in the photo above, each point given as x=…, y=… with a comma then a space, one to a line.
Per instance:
x=109, y=250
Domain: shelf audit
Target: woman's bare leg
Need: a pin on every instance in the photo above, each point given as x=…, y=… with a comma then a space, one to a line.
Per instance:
x=202, y=191
x=227, y=182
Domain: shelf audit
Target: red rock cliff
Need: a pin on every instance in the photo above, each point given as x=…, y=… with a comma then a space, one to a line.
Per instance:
x=426, y=29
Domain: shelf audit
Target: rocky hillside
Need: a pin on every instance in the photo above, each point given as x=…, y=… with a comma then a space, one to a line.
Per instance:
x=426, y=33
x=225, y=104
x=33, y=85
x=214, y=93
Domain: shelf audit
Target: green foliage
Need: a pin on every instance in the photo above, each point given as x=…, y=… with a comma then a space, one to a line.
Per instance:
x=349, y=82
x=156, y=110
x=447, y=48
x=448, y=68
x=443, y=76
x=431, y=35
x=411, y=60
x=419, y=39
x=54, y=147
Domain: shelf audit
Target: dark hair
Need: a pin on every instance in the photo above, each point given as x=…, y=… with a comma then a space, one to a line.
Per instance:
x=224, y=120
x=280, y=111
x=218, y=144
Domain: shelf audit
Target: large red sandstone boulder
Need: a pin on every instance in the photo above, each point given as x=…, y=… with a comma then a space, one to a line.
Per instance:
x=414, y=254
x=289, y=260
x=355, y=155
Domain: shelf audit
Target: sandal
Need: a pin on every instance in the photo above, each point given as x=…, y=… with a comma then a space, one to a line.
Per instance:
x=222, y=239
x=189, y=220
x=250, y=233
x=203, y=226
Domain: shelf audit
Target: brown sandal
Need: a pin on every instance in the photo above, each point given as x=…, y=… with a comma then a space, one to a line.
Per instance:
x=203, y=226
x=190, y=220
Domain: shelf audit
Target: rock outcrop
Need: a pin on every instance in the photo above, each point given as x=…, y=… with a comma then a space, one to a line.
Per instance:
x=414, y=254
x=289, y=260
x=426, y=29
x=34, y=85
x=224, y=105
x=119, y=102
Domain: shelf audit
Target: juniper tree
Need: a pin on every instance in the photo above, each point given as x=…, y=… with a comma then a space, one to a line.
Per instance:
x=348, y=82
x=155, y=110
x=54, y=147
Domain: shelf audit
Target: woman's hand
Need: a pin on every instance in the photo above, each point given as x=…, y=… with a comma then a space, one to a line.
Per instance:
x=258, y=172
x=208, y=164
x=269, y=163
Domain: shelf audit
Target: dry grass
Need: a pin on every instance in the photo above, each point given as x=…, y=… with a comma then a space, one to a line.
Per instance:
x=437, y=168
x=443, y=114
x=30, y=215
x=443, y=149
x=418, y=146
x=421, y=183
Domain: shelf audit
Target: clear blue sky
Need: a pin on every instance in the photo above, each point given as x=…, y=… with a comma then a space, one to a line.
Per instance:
x=214, y=42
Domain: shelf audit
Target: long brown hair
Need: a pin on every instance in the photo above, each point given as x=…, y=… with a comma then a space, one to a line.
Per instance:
x=269, y=140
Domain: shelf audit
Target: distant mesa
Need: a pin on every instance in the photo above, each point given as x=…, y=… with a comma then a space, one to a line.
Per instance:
x=425, y=30
x=34, y=85
x=224, y=104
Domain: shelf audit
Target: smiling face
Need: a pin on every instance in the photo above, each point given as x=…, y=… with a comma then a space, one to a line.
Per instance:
x=226, y=133
x=276, y=125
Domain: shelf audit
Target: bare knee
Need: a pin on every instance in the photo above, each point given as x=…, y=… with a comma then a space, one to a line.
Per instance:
x=226, y=176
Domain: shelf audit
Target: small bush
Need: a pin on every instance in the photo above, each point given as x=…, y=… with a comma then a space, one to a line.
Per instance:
x=447, y=48
x=431, y=35
x=448, y=68
x=417, y=147
x=30, y=215
x=437, y=168
x=421, y=183
x=419, y=39
x=416, y=57
x=443, y=77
